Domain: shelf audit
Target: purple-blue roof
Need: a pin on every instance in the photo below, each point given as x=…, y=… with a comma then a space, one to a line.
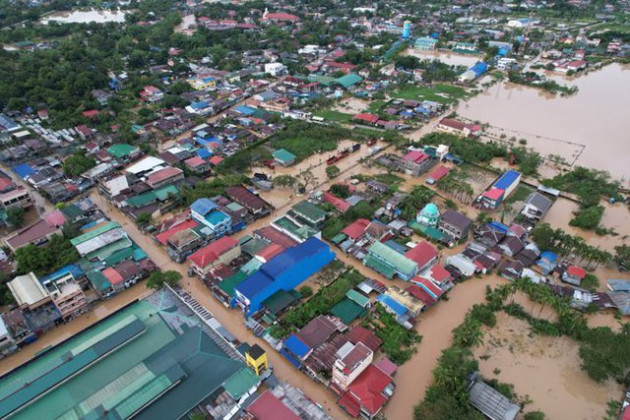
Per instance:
x=23, y=170
x=549, y=256
x=277, y=265
x=296, y=346
x=507, y=179
x=245, y=110
x=252, y=285
x=204, y=153
x=498, y=226
x=73, y=269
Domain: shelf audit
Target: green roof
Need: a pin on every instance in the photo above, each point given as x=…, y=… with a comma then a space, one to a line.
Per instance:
x=281, y=300
x=228, y=285
x=358, y=298
x=98, y=280
x=303, y=232
x=398, y=261
x=241, y=382
x=163, y=193
x=119, y=256
x=348, y=80
x=149, y=197
x=339, y=238
x=94, y=233
x=124, y=366
x=251, y=266
x=378, y=265
x=430, y=232
x=121, y=150
x=72, y=212
x=107, y=251
x=284, y=156
x=254, y=246
x=347, y=310
x=309, y=211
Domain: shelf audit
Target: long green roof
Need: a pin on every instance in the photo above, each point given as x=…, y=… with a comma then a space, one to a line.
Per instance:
x=348, y=80
x=347, y=310
x=94, y=233
x=393, y=258
x=309, y=211
x=241, y=382
x=121, y=150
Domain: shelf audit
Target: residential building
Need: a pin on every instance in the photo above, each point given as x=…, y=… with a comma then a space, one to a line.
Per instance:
x=283, y=157
x=491, y=402
x=66, y=293
x=256, y=358
x=455, y=224
x=500, y=190
x=283, y=272
x=218, y=253
x=574, y=275
x=453, y=126
x=206, y=212
x=28, y=292
x=367, y=394
x=352, y=360
x=164, y=177
x=18, y=197
x=99, y=238
x=308, y=213
x=389, y=262
x=423, y=254
x=416, y=163
x=254, y=204
x=36, y=234
x=536, y=206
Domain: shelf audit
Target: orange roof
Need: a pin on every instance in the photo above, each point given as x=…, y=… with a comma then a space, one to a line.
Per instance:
x=163, y=174
x=163, y=237
x=210, y=253
x=112, y=276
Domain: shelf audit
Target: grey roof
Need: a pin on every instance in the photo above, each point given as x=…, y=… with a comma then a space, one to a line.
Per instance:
x=539, y=201
x=492, y=403
x=456, y=218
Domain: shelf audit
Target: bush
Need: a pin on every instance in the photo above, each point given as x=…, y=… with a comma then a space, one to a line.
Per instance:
x=590, y=283
x=588, y=217
x=306, y=292
x=535, y=415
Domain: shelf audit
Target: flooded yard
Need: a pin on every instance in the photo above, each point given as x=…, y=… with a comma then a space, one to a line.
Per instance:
x=449, y=58
x=587, y=129
x=352, y=105
x=86, y=16
x=544, y=369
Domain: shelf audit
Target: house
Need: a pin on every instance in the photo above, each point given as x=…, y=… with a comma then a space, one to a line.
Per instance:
x=220, y=252
x=279, y=17
x=164, y=177
x=366, y=118
x=491, y=402
x=437, y=174
x=254, y=204
x=283, y=157
x=206, y=212
x=18, y=197
x=99, y=238
x=440, y=276
x=36, y=234
x=352, y=360
x=511, y=270
x=511, y=245
x=268, y=407
x=423, y=254
x=367, y=394
x=198, y=165
x=28, y=292
x=308, y=213
x=453, y=126
x=283, y=272
x=275, y=69
x=151, y=94
x=500, y=190
x=454, y=224
x=536, y=206
x=547, y=262
x=356, y=229
x=66, y=293
x=416, y=163
x=574, y=275
x=389, y=262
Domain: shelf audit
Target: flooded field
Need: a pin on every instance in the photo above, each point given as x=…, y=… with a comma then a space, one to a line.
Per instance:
x=545, y=369
x=86, y=16
x=352, y=105
x=445, y=57
x=587, y=129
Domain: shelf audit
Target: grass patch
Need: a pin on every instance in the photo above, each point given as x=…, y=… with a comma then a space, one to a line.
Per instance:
x=375, y=106
x=332, y=115
x=398, y=342
x=441, y=93
x=304, y=139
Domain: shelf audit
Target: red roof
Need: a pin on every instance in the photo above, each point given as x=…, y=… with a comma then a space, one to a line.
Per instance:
x=415, y=156
x=356, y=228
x=195, y=161
x=268, y=407
x=439, y=173
x=281, y=16
x=163, y=174
x=340, y=204
x=90, y=113
x=5, y=183
x=368, y=389
x=387, y=366
x=422, y=254
x=343, y=66
x=429, y=285
x=439, y=273
x=421, y=294
x=112, y=276
x=273, y=235
x=55, y=218
x=370, y=118
x=360, y=334
x=450, y=122
x=576, y=272
x=215, y=160
x=163, y=237
x=210, y=253
x=270, y=251
x=493, y=194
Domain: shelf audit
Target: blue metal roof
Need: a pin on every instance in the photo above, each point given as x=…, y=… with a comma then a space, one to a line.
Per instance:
x=296, y=346
x=200, y=105
x=203, y=206
x=7, y=123
x=204, y=153
x=507, y=179
x=392, y=304
x=498, y=226
x=479, y=68
x=277, y=265
x=252, y=285
x=23, y=170
x=245, y=110
x=73, y=269
x=548, y=255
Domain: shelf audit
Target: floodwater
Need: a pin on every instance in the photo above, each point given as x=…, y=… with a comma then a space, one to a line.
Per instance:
x=449, y=58
x=587, y=129
x=86, y=16
x=435, y=326
x=545, y=369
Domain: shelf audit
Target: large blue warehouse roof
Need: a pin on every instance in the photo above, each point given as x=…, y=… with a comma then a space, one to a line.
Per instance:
x=507, y=179
x=272, y=269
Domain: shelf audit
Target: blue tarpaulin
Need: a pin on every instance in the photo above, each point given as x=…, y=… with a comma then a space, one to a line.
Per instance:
x=296, y=346
x=24, y=170
x=204, y=153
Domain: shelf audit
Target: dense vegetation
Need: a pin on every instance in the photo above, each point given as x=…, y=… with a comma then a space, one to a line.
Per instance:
x=334, y=225
x=43, y=260
x=535, y=80
x=399, y=344
x=557, y=240
x=158, y=279
x=304, y=139
x=77, y=164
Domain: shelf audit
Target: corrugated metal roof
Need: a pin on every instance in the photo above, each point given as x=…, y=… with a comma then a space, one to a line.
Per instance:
x=400, y=262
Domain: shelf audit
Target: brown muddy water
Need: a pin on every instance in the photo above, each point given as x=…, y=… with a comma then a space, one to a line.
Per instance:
x=544, y=369
x=588, y=128
x=445, y=57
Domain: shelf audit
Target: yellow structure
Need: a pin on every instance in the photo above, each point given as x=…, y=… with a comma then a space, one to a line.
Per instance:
x=256, y=358
x=202, y=81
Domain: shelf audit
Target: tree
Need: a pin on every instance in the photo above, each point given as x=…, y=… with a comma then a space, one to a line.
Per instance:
x=534, y=415
x=590, y=283
x=172, y=277
x=340, y=190
x=306, y=291
x=45, y=259
x=158, y=279
x=622, y=257
x=77, y=164
x=143, y=219
x=332, y=171
x=307, y=179
x=284, y=181
x=15, y=216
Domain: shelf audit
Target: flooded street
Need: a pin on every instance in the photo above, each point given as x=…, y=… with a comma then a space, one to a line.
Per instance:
x=588, y=128
x=546, y=369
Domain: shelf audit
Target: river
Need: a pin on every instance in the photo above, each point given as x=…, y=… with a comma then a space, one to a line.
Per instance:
x=587, y=128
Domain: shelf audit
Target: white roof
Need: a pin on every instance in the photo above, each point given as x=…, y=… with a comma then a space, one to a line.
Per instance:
x=146, y=164
x=100, y=241
x=116, y=185
x=3, y=328
x=27, y=289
